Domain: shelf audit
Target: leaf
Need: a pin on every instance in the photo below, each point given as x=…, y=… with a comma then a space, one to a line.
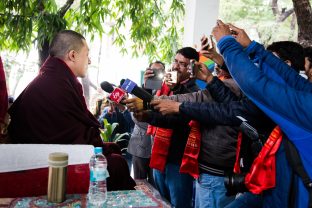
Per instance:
x=103, y=134
x=118, y=137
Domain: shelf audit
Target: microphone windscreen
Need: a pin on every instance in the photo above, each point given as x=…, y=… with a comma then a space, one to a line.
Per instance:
x=121, y=82
x=107, y=87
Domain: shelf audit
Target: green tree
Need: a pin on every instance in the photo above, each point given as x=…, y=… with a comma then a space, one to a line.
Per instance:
x=154, y=27
x=273, y=20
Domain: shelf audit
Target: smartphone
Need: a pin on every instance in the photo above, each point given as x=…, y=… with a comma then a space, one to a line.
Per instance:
x=191, y=68
x=205, y=42
x=210, y=43
x=173, y=76
x=154, y=82
x=210, y=40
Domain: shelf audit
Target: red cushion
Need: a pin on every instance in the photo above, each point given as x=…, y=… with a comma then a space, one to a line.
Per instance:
x=34, y=182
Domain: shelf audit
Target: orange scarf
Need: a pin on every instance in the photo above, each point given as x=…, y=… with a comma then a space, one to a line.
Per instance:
x=262, y=172
x=162, y=140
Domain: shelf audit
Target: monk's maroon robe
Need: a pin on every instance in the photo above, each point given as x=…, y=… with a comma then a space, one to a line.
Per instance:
x=52, y=110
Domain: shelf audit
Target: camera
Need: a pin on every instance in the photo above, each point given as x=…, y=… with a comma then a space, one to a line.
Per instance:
x=252, y=143
x=235, y=183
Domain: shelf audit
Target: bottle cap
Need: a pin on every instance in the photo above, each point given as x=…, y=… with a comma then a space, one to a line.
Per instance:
x=98, y=150
x=58, y=159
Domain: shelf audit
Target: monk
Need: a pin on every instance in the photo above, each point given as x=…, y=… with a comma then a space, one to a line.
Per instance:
x=52, y=108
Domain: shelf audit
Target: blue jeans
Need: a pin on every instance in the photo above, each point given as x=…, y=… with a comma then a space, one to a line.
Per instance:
x=246, y=199
x=176, y=187
x=211, y=192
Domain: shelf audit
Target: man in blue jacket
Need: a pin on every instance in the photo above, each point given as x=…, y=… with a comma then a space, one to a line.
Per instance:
x=286, y=103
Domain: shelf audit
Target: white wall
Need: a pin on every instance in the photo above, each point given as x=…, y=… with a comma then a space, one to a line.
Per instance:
x=200, y=18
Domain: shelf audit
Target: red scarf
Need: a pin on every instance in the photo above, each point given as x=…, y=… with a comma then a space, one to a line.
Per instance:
x=238, y=147
x=162, y=140
x=262, y=172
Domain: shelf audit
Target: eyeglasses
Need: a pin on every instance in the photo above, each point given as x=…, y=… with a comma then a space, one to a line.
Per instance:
x=181, y=64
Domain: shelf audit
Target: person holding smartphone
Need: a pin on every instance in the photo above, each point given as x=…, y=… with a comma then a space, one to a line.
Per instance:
x=176, y=187
x=140, y=143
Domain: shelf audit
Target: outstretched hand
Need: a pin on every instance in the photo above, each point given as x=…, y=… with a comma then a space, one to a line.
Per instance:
x=134, y=104
x=165, y=106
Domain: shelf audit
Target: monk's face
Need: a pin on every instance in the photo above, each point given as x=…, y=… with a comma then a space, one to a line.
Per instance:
x=82, y=61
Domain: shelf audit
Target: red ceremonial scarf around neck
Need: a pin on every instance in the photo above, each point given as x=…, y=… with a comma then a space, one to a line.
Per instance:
x=262, y=174
x=162, y=138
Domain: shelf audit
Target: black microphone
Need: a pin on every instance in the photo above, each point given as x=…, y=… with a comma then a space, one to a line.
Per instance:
x=132, y=88
x=107, y=87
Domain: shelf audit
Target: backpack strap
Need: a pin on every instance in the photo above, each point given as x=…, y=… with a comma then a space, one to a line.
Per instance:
x=295, y=162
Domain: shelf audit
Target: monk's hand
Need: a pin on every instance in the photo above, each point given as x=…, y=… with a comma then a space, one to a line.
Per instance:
x=240, y=35
x=134, y=104
x=221, y=30
x=165, y=106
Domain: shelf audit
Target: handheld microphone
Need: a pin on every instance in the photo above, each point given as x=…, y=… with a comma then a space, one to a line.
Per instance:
x=116, y=94
x=132, y=88
x=107, y=87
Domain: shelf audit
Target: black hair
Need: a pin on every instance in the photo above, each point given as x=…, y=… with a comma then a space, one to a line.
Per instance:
x=157, y=62
x=65, y=41
x=289, y=50
x=189, y=52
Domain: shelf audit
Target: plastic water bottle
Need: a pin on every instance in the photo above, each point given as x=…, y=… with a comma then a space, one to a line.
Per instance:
x=98, y=173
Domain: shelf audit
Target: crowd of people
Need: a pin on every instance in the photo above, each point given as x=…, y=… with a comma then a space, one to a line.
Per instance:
x=242, y=141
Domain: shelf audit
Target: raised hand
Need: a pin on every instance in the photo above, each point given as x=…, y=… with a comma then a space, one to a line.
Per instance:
x=240, y=35
x=147, y=74
x=211, y=52
x=202, y=72
x=220, y=30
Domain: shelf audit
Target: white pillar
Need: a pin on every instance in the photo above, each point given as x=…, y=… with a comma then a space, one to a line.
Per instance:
x=200, y=18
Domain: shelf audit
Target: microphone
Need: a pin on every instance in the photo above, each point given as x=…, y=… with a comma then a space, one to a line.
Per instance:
x=132, y=88
x=116, y=94
x=107, y=87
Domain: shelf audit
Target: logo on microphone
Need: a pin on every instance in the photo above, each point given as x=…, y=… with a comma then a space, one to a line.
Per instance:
x=117, y=95
x=128, y=85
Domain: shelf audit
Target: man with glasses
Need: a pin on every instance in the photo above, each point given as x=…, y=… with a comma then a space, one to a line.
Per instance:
x=172, y=134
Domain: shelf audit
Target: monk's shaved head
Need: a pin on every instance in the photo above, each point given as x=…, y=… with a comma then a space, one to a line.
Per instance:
x=64, y=42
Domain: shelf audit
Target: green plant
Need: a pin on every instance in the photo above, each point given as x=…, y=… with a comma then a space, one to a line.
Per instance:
x=108, y=130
